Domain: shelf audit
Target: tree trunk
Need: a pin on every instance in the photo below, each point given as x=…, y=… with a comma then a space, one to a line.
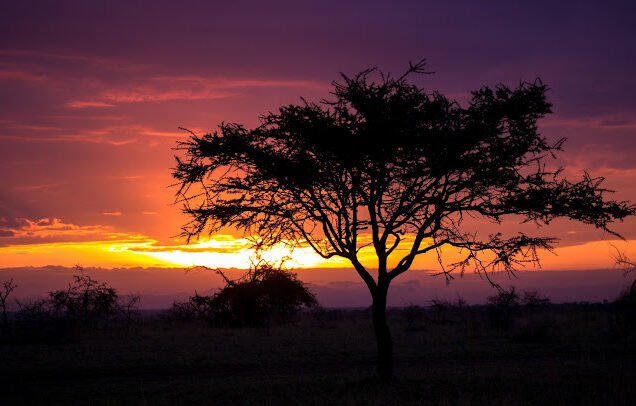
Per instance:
x=382, y=334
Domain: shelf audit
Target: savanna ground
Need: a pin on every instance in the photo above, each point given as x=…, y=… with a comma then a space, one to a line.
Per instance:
x=446, y=354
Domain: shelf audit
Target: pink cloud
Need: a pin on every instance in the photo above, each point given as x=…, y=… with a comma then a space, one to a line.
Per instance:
x=169, y=88
x=149, y=94
x=44, y=59
x=619, y=121
x=20, y=75
x=37, y=187
x=115, y=135
x=50, y=227
x=79, y=104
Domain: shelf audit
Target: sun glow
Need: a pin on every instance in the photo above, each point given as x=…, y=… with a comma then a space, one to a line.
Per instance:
x=53, y=242
x=228, y=252
x=222, y=251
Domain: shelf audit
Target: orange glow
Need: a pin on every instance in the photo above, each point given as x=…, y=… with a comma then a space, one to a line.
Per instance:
x=226, y=251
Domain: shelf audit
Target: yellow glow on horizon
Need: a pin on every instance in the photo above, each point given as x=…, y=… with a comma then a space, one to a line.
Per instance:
x=221, y=251
x=298, y=258
x=90, y=253
x=226, y=251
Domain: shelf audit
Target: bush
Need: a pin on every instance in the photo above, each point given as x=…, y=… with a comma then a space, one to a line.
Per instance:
x=533, y=299
x=86, y=302
x=507, y=305
x=505, y=298
x=264, y=294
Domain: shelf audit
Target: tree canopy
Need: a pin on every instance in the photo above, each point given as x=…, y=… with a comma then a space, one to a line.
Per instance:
x=389, y=159
x=383, y=163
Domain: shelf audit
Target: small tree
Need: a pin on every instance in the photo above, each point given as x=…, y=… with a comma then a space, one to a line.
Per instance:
x=505, y=298
x=90, y=302
x=385, y=164
x=128, y=308
x=264, y=292
x=6, y=288
x=629, y=267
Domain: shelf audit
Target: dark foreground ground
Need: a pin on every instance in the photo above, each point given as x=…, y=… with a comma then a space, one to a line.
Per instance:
x=557, y=354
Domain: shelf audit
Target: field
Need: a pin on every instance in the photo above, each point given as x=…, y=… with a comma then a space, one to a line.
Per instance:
x=553, y=354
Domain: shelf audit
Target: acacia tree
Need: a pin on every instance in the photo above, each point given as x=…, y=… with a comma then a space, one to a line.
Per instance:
x=387, y=165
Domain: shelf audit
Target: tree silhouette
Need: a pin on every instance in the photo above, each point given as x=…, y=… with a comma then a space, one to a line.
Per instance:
x=6, y=288
x=629, y=267
x=386, y=165
x=265, y=293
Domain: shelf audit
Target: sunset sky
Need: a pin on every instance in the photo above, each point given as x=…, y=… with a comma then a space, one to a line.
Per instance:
x=92, y=93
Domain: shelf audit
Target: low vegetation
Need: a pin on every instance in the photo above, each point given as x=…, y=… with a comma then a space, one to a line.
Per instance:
x=448, y=352
x=265, y=294
x=85, y=304
x=553, y=354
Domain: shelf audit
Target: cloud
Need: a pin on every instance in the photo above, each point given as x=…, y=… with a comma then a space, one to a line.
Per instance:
x=26, y=232
x=51, y=240
x=50, y=227
x=89, y=82
x=219, y=243
x=37, y=187
x=150, y=94
x=124, y=177
x=601, y=122
x=80, y=104
x=171, y=88
x=87, y=138
x=115, y=135
x=112, y=213
x=20, y=75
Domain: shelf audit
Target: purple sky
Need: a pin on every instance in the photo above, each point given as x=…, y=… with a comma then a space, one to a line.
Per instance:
x=92, y=92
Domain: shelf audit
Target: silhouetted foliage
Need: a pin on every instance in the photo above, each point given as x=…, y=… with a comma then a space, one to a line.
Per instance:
x=85, y=303
x=384, y=158
x=505, y=298
x=128, y=309
x=532, y=299
x=626, y=300
x=6, y=289
x=629, y=267
x=441, y=310
x=508, y=304
x=86, y=300
x=264, y=294
x=560, y=350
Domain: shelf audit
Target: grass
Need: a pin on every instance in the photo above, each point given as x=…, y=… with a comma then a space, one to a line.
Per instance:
x=576, y=354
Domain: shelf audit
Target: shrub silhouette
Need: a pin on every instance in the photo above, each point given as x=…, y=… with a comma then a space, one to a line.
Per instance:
x=534, y=299
x=85, y=302
x=441, y=310
x=6, y=288
x=265, y=294
x=505, y=298
x=509, y=304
